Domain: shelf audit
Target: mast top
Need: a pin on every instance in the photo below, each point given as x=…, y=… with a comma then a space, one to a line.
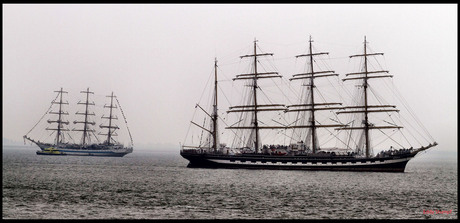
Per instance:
x=111, y=96
x=61, y=91
x=87, y=91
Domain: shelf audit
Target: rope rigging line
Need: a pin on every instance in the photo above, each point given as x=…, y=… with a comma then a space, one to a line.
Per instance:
x=389, y=137
x=398, y=95
x=43, y=115
x=333, y=136
x=190, y=124
x=409, y=123
x=95, y=135
x=412, y=113
x=68, y=134
x=207, y=82
x=280, y=90
x=132, y=143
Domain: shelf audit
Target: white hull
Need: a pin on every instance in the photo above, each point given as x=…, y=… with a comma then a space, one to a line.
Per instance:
x=116, y=150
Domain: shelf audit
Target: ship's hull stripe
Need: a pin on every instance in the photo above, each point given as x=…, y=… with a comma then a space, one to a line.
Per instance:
x=319, y=163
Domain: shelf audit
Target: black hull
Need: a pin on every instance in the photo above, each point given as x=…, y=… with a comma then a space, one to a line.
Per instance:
x=388, y=164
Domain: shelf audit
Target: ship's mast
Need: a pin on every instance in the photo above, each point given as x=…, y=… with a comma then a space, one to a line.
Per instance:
x=255, y=107
x=215, y=115
x=313, y=107
x=366, y=117
x=59, y=120
x=256, y=121
x=366, y=75
x=85, y=123
x=313, y=120
x=110, y=133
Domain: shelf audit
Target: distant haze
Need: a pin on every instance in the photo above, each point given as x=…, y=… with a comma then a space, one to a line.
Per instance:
x=157, y=57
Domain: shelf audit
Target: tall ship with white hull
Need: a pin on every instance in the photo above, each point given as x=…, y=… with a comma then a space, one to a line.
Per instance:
x=89, y=144
x=309, y=125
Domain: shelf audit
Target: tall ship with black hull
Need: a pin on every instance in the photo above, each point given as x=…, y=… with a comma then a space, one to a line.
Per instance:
x=319, y=131
x=89, y=144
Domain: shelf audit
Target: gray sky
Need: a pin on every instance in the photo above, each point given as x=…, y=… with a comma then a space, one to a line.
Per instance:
x=157, y=58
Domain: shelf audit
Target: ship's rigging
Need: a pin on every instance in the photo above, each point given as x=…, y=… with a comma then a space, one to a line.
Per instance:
x=314, y=121
x=87, y=132
x=310, y=106
x=85, y=121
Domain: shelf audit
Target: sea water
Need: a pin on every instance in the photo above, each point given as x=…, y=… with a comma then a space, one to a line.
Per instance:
x=153, y=184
